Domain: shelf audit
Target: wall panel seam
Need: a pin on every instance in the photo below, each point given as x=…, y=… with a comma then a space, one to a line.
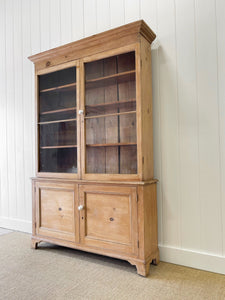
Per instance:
x=139, y=15
x=22, y=94
x=71, y=22
x=178, y=131
x=14, y=105
x=197, y=104
x=124, y=15
x=219, y=129
x=49, y=16
x=160, y=130
x=110, y=21
x=6, y=114
x=60, y=22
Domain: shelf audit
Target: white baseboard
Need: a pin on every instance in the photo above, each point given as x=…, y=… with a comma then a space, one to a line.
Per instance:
x=16, y=224
x=193, y=259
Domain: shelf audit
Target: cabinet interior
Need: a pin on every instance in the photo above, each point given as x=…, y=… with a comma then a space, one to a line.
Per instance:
x=110, y=115
x=58, y=122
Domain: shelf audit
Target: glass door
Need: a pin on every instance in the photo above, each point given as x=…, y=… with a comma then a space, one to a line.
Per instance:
x=57, y=122
x=110, y=115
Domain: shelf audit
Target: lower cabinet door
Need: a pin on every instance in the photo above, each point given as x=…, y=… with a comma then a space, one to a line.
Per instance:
x=55, y=210
x=108, y=217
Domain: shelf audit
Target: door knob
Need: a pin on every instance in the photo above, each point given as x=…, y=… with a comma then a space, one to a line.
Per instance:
x=81, y=112
x=80, y=207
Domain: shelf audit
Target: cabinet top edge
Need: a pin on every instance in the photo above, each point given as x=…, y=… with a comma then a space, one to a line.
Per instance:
x=138, y=27
x=82, y=181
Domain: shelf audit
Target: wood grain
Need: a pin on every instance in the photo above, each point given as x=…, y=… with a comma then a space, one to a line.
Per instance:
x=107, y=214
x=146, y=110
x=109, y=209
x=113, y=38
x=55, y=210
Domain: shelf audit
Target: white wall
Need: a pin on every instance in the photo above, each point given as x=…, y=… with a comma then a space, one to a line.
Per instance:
x=188, y=64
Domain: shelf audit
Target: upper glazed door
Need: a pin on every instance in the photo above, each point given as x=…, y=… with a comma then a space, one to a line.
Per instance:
x=110, y=121
x=57, y=123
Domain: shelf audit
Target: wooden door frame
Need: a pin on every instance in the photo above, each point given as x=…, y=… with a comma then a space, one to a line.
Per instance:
x=44, y=71
x=102, y=176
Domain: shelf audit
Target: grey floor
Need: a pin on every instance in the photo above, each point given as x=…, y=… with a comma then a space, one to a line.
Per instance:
x=4, y=231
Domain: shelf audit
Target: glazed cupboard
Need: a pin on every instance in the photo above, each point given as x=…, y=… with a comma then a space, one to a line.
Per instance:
x=94, y=188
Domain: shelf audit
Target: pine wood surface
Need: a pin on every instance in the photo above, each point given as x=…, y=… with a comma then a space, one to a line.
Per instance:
x=109, y=205
x=146, y=109
x=96, y=181
x=110, y=39
x=53, y=147
x=58, y=121
x=61, y=87
x=128, y=213
x=111, y=144
x=110, y=115
x=55, y=210
x=58, y=110
x=109, y=210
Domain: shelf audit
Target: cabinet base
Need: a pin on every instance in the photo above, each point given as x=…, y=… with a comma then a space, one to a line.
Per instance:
x=34, y=243
x=141, y=266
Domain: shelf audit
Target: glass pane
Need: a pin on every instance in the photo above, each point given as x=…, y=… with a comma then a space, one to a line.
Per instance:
x=57, y=122
x=59, y=160
x=58, y=105
x=111, y=130
x=110, y=115
x=110, y=108
x=112, y=160
x=56, y=79
x=58, y=134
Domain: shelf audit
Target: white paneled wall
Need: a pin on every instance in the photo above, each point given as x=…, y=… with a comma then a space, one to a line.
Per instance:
x=188, y=65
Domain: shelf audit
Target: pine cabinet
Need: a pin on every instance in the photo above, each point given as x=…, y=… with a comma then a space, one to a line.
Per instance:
x=94, y=188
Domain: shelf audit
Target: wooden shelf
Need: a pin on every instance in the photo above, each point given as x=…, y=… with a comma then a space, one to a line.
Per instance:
x=111, y=145
x=111, y=79
x=110, y=115
x=57, y=121
x=58, y=110
x=112, y=103
x=60, y=87
x=94, y=108
x=59, y=147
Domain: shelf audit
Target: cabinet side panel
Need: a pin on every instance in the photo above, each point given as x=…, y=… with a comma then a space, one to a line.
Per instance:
x=33, y=208
x=150, y=220
x=36, y=124
x=147, y=219
x=146, y=110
